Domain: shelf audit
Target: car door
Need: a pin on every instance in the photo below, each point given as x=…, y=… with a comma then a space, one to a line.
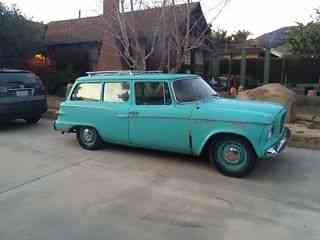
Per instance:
x=114, y=119
x=84, y=106
x=156, y=121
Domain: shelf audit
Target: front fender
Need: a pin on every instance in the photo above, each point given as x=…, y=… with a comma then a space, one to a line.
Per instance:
x=203, y=131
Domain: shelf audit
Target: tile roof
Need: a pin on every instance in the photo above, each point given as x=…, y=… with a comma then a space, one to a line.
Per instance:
x=92, y=29
x=75, y=31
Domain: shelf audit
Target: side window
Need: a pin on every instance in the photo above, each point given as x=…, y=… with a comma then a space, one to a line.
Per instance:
x=152, y=93
x=87, y=92
x=116, y=92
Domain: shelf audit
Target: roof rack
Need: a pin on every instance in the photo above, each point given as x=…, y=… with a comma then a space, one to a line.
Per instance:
x=125, y=72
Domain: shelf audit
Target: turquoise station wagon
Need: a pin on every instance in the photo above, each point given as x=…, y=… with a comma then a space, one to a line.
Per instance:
x=173, y=112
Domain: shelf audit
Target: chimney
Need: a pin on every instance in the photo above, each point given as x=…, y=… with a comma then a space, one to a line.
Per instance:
x=110, y=7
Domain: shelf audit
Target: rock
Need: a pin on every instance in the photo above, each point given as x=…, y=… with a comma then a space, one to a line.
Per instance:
x=313, y=118
x=276, y=93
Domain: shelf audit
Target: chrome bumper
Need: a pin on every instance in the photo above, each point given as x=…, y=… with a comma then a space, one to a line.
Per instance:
x=275, y=150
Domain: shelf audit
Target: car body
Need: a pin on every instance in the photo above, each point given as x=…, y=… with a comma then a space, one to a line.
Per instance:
x=22, y=96
x=184, y=116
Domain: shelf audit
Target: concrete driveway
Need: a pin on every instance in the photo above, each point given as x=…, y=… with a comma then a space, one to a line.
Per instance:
x=51, y=189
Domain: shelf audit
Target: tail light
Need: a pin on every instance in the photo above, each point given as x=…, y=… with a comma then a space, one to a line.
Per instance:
x=3, y=91
x=40, y=89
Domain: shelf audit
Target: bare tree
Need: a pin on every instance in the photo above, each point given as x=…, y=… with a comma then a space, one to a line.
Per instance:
x=175, y=32
x=134, y=46
x=191, y=34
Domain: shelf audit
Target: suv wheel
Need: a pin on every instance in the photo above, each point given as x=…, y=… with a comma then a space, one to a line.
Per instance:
x=89, y=138
x=232, y=156
x=33, y=120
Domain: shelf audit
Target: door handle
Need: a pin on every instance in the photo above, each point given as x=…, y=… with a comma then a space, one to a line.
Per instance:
x=133, y=113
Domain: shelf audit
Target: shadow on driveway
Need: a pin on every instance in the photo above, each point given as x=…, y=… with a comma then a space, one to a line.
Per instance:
x=285, y=168
x=15, y=125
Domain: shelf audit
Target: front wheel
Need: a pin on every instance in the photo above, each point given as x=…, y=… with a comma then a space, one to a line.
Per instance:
x=232, y=156
x=89, y=138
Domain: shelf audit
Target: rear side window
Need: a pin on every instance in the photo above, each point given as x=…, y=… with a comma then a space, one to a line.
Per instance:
x=116, y=92
x=18, y=77
x=87, y=92
x=152, y=93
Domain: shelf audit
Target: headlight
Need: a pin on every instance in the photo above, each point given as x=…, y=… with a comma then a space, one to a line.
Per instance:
x=270, y=132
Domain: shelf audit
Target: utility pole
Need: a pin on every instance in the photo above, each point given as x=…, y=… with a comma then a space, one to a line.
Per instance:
x=243, y=69
x=230, y=65
x=267, y=58
x=283, y=68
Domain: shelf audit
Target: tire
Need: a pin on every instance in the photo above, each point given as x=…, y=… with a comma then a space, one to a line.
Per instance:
x=89, y=138
x=232, y=156
x=33, y=120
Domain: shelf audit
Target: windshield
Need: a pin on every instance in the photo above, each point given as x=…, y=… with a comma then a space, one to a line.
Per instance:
x=194, y=89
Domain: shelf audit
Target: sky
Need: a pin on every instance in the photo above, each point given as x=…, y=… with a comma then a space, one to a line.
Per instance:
x=257, y=16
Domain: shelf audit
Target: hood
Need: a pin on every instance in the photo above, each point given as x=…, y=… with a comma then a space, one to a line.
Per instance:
x=238, y=111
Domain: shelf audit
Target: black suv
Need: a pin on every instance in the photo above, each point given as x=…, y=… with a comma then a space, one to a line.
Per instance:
x=22, y=96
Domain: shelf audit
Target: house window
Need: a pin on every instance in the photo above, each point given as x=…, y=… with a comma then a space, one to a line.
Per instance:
x=87, y=92
x=39, y=59
x=198, y=58
x=187, y=58
x=116, y=92
x=152, y=93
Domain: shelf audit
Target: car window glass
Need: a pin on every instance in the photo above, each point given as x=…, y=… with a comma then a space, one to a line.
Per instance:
x=152, y=93
x=116, y=92
x=194, y=89
x=17, y=77
x=87, y=92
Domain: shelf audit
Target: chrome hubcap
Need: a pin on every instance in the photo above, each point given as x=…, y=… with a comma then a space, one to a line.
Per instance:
x=232, y=155
x=88, y=136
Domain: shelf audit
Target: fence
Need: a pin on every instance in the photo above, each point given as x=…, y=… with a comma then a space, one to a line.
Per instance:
x=290, y=70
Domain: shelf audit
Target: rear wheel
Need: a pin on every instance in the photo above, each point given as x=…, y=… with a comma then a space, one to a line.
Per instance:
x=232, y=156
x=89, y=138
x=33, y=120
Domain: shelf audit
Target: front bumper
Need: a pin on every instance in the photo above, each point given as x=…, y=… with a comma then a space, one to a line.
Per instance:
x=278, y=148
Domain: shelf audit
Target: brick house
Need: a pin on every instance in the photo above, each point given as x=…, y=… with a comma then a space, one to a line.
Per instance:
x=88, y=42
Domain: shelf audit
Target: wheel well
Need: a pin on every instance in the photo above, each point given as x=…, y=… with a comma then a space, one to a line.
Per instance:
x=74, y=129
x=218, y=136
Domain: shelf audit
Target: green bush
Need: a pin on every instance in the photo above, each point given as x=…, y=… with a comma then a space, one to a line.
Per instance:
x=57, y=82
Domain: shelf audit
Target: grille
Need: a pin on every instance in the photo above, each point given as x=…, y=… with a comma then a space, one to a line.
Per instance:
x=282, y=121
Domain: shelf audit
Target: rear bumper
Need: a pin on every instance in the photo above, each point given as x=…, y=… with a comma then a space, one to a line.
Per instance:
x=273, y=151
x=23, y=108
x=61, y=127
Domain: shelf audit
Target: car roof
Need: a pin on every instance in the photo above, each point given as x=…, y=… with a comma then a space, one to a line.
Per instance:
x=126, y=77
